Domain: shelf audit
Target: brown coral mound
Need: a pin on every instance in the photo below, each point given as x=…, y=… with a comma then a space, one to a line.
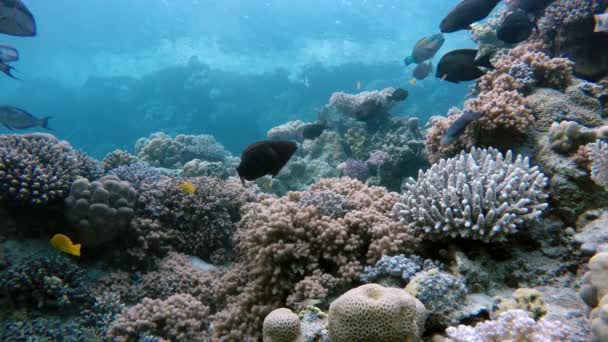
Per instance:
x=294, y=252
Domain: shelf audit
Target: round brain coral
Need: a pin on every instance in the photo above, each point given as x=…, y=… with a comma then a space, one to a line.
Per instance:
x=480, y=195
x=282, y=325
x=375, y=313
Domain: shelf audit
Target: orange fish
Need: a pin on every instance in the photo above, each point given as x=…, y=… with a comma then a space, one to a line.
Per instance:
x=64, y=244
x=188, y=187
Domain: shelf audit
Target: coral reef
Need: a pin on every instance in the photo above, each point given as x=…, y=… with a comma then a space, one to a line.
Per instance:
x=199, y=168
x=364, y=106
x=35, y=169
x=104, y=310
x=178, y=318
x=375, y=313
x=100, y=210
x=594, y=292
x=481, y=195
x=529, y=300
x=288, y=131
x=567, y=136
x=598, y=155
x=396, y=271
x=138, y=173
x=282, y=325
x=45, y=329
x=118, y=158
x=513, y=325
x=355, y=169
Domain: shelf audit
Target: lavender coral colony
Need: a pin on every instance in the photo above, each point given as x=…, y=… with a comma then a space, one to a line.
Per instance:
x=490, y=224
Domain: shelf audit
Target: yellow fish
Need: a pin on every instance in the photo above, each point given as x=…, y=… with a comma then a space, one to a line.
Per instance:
x=188, y=187
x=63, y=243
x=413, y=81
x=358, y=85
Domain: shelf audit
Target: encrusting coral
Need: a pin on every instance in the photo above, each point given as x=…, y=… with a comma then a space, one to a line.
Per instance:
x=480, y=195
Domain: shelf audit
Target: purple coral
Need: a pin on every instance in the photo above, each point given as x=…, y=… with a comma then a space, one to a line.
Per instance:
x=356, y=169
x=400, y=267
x=377, y=158
x=36, y=168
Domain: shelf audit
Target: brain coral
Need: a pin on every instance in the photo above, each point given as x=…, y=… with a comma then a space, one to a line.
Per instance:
x=100, y=209
x=282, y=325
x=375, y=313
x=35, y=168
x=480, y=195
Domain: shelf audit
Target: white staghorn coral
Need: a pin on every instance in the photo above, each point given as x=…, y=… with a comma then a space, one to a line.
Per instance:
x=598, y=154
x=479, y=195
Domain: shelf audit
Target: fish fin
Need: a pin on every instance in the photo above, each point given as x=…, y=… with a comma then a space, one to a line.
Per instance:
x=44, y=122
x=7, y=126
x=408, y=60
x=76, y=250
x=10, y=74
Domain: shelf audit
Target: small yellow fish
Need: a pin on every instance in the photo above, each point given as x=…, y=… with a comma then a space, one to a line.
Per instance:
x=64, y=244
x=413, y=81
x=358, y=85
x=188, y=187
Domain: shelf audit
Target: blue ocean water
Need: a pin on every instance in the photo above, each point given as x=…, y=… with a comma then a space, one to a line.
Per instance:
x=110, y=72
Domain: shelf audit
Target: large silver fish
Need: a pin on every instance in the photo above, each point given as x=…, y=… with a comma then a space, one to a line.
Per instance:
x=8, y=53
x=16, y=19
x=16, y=118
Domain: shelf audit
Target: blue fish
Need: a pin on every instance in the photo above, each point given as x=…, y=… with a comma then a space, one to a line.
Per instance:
x=458, y=127
x=15, y=118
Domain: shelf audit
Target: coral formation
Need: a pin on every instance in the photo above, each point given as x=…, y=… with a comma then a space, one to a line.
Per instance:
x=35, y=169
x=396, y=271
x=118, y=158
x=100, y=210
x=481, y=195
x=199, y=168
x=104, y=310
x=138, y=173
x=598, y=155
x=291, y=130
x=178, y=318
x=364, y=106
x=529, y=300
x=282, y=325
x=567, y=136
x=356, y=169
x=375, y=313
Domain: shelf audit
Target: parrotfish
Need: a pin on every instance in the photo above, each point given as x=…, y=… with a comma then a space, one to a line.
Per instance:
x=460, y=66
x=422, y=70
x=425, y=49
x=8, y=53
x=601, y=22
x=16, y=19
x=16, y=118
x=466, y=13
x=515, y=27
x=64, y=244
x=458, y=127
x=265, y=158
x=399, y=95
x=188, y=188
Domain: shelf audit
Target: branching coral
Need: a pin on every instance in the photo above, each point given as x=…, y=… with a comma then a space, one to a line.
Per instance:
x=178, y=318
x=396, y=270
x=102, y=312
x=138, y=173
x=481, y=195
x=598, y=155
x=118, y=158
x=36, y=168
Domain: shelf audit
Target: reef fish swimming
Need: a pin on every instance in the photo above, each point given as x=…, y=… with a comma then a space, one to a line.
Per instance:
x=458, y=127
x=601, y=22
x=64, y=244
x=16, y=19
x=8, y=53
x=460, y=66
x=529, y=6
x=265, y=158
x=466, y=13
x=422, y=70
x=7, y=69
x=313, y=131
x=515, y=27
x=425, y=49
x=399, y=95
x=187, y=188
x=16, y=118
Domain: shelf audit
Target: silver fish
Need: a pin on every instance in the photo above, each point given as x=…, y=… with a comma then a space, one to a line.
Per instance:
x=458, y=127
x=15, y=118
x=16, y=19
x=8, y=53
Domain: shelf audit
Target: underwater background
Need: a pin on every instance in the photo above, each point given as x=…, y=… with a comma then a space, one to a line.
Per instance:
x=304, y=171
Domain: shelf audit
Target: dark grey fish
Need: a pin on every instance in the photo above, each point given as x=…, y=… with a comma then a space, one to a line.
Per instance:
x=458, y=127
x=16, y=19
x=399, y=95
x=313, y=131
x=460, y=66
x=16, y=118
x=530, y=6
x=7, y=69
x=515, y=27
x=8, y=53
x=265, y=158
x=422, y=70
x=466, y=13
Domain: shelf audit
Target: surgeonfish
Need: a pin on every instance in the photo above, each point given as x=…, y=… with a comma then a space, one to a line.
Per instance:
x=458, y=127
x=312, y=131
x=515, y=27
x=64, y=244
x=425, y=49
x=601, y=22
x=8, y=53
x=461, y=66
x=16, y=19
x=265, y=158
x=188, y=188
x=466, y=13
x=16, y=118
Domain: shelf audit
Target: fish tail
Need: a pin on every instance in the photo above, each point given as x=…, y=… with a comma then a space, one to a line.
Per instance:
x=408, y=60
x=9, y=72
x=44, y=122
x=76, y=250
